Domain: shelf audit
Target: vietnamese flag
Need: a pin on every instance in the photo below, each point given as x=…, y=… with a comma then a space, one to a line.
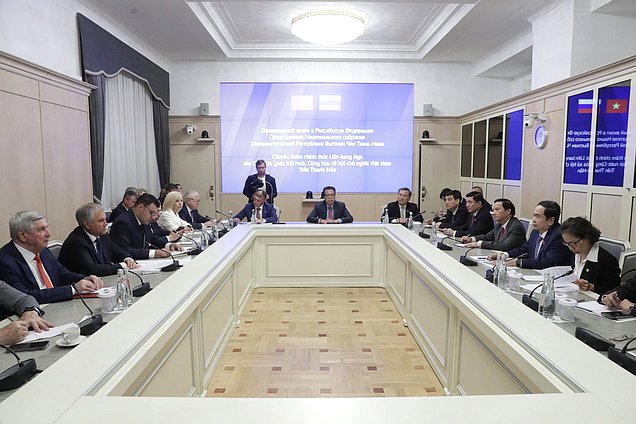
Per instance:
x=616, y=106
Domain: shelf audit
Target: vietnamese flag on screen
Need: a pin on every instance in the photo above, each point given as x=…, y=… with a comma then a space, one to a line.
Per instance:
x=616, y=106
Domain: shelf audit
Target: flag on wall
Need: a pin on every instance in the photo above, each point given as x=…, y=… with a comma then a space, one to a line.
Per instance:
x=616, y=106
x=585, y=105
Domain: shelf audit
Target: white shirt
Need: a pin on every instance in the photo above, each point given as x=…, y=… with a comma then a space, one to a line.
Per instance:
x=579, y=263
x=29, y=257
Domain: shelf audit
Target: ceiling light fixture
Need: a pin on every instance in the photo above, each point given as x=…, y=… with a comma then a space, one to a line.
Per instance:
x=327, y=27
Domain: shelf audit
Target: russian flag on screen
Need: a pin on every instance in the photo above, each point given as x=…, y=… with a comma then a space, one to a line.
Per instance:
x=329, y=102
x=585, y=106
x=301, y=102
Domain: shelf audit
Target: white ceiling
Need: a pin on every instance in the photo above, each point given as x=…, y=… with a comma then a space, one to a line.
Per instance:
x=493, y=35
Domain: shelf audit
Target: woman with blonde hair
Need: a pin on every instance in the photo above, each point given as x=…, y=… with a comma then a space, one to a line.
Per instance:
x=170, y=219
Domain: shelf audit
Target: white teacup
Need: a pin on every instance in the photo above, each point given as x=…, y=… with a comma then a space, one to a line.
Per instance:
x=71, y=335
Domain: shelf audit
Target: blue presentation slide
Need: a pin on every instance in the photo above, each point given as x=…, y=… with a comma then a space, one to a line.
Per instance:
x=357, y=137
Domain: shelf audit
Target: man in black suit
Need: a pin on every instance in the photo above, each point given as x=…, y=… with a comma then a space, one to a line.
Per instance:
x=545, y=247
x=260, y=181
x=479, y=221
x=130, y=197
x=329, y=211
x=399, y=210
x=15, y=302
x=131, y=231
x=27, y=264
x=190, y=211
x=456, y=213
x=507, y=234
x=89, y=248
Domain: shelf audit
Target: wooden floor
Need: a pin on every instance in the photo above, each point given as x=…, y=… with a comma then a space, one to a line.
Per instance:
x=322, y=342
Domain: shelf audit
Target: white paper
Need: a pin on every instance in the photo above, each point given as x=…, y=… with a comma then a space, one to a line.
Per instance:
x=594, y=306
x=52, y=332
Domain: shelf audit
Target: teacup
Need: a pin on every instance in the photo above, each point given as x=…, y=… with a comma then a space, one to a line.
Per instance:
x=71, y=335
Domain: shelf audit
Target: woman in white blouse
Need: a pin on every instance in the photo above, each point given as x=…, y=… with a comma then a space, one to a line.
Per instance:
x=169, y=219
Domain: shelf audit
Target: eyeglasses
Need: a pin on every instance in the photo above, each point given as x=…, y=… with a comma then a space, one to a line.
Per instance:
x=571, y=243
x=152, y=213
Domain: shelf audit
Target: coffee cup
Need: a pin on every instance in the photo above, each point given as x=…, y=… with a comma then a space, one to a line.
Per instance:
x=71, y=335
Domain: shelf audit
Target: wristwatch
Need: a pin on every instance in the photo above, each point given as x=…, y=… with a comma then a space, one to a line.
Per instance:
x=632, y=310
x=32, y=308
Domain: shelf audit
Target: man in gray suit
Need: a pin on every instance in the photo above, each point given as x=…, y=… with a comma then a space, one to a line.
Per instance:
x=13, y=301
x=507, y=234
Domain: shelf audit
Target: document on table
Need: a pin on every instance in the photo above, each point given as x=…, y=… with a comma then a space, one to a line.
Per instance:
x=595, y=307
x=152, y=266
x=483, y=259
x=52, y=332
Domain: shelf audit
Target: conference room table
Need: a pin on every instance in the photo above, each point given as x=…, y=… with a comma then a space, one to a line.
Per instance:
x=73, y=311
x=618, y=332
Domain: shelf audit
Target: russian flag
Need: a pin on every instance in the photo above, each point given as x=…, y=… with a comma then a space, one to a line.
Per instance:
x=329, y=102
x=585, y=106
x=301, y=102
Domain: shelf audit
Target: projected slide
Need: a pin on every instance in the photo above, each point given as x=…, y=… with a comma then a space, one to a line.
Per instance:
x=356, y=137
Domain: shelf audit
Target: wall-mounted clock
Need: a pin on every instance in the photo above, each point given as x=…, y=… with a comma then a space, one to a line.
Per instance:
x=540, y=137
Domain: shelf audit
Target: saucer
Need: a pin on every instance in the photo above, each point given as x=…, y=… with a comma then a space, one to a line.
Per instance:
x=61, y=343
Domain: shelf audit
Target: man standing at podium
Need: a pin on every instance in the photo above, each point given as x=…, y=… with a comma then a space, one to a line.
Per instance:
x=260, y=181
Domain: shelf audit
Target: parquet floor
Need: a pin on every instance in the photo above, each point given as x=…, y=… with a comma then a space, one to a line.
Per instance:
x=322, y=342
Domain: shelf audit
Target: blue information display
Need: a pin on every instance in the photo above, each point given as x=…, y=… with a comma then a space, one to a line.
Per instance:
x=578, y=138
x=514, y=145
x=611, y=135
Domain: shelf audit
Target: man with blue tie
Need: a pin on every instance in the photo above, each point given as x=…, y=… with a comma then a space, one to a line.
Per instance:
x=190, y=211
x=545, y=247
x=27, y=264
x=89, y=248
x=263, y=212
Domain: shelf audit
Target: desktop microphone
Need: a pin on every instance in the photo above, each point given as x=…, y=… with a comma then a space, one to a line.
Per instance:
x=16, y=375
x=464, y=260
x=564, y=275
x=529, y=301
x=143, y=289
x=91, y=325
x=622, y=358
x=193, y=252
x=593, y=340
x=442, y=246
x=168, y=268
x=272, y=187
x=222, y=214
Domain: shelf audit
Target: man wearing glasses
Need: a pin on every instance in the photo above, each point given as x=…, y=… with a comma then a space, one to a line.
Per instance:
x=132, y=231
x=329, y=211
x=545, y=247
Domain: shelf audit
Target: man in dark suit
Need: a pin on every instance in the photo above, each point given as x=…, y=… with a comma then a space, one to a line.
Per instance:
x=27, y=265
x=130, y=197
x=399, y=210
x=545, y=247
x=89, y=248
x=264, y=212
x=260, y=181
x=15, y=302
x=479, y=221
x=456, y=212
x=507, y=234
x=190, y=211
x=132, y=232
x=329, y=211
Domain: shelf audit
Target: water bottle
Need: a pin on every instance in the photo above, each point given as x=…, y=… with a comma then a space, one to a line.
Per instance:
x=385, y=216
x=122, y=301
x=495, y=270
x=216, y=233
x=203, y=244
x=230, y=220
x=128, y=286
x=409, y=223
x=502, y=275
x=253, y=220
x=547, y=305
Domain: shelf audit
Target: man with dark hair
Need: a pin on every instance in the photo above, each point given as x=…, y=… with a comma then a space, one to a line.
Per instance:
x=507, y=234
x=28, y=265
x=263, y=211
x=329, y=211
x=132, y=232
x=400, y=209
x=89, y=248
x=479, y=221
x=545, y=247
x=456, y=213
x=128, y=201
x=480, y=190
x=260, y=181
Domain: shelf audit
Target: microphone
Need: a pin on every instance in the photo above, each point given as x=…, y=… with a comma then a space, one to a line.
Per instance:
x=222, y=214
x=442, y=246
x=91, y=325
x=529, y=301
x=168, y=268
x=196, y=251
x=271, y=200
x=564, y=275
x=464, y=260
x=592, y=339
x=143, y=289
x=16, y=375
x=622, y=358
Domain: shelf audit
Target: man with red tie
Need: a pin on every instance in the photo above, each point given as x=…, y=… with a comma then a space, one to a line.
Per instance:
x=27, y=264
x=507, y=234
x=479, y=219
x=330, y=211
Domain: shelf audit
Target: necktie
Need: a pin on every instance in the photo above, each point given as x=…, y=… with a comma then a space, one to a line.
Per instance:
x=100, y=251
x=43, y=275
x=502, y=234
x=402, y=212
x=539, y=245
x=191, y=217
x=474, y=221
x=258, y=213
x=330, y=212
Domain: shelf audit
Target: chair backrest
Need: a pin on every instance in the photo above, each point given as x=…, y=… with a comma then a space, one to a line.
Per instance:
x=614, y=246
x=526, y=225
x=278, y=212
x=627, y=263
x=55, y=246
x=382, y=208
